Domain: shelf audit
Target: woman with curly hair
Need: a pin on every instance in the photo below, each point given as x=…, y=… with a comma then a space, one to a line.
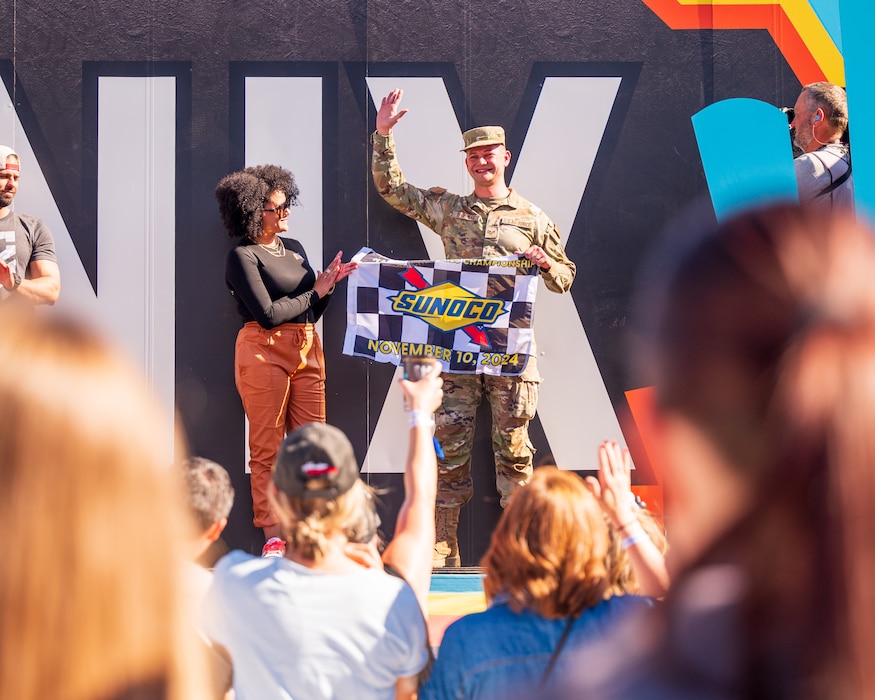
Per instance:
x=279, y=368
x=546, y=580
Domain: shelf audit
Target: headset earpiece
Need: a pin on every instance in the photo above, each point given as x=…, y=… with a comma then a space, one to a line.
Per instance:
x=816, y=118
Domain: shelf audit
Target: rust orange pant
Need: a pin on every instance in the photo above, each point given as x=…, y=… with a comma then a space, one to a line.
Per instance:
x=280, y=376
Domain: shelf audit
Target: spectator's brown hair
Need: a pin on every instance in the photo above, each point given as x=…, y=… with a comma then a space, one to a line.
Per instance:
x=208, y=490
x=620, y=572
x=548, y=550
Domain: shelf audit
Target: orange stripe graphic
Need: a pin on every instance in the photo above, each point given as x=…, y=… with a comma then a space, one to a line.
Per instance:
x=792, y=24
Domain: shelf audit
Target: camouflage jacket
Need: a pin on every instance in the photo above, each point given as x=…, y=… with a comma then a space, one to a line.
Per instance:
x=468, y=226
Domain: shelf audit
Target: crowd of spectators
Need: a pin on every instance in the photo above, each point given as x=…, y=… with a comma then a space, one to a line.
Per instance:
x=758, y=336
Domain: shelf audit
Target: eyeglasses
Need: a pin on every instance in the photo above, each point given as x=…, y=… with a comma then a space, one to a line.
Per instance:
x=279, y=211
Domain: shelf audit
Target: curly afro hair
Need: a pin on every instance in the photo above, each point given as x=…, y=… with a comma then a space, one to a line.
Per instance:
x=242, y=194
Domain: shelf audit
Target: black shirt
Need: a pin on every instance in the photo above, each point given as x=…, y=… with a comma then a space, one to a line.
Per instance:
x=270, y=289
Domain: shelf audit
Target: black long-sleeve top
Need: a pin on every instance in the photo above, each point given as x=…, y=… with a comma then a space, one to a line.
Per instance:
x=273, y=290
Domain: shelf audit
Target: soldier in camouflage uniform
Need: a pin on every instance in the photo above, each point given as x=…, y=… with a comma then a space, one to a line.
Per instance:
x=493, y=221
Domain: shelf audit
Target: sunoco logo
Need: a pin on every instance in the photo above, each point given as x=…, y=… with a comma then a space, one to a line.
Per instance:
x=448, y=307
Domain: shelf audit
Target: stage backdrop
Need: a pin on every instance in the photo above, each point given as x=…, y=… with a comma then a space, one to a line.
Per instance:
x=126, y=116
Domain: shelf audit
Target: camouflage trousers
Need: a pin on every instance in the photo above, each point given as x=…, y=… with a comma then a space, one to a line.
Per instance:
x=513, y=401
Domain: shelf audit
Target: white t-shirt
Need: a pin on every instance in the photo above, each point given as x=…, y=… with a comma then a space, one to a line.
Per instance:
x=297, y=633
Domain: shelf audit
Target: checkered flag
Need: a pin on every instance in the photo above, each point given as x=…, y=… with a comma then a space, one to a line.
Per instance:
x=472, y=315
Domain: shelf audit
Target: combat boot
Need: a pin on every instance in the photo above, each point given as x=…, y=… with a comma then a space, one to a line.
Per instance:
x=446, y=547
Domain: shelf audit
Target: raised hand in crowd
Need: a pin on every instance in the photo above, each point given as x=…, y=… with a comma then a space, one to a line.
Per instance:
x=613, y=490
x=409, y=551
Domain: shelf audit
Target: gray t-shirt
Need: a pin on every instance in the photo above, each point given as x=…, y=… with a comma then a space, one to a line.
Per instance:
x=23, y=240
x=819, y=170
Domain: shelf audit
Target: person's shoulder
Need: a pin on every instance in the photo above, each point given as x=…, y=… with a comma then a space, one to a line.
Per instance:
x=30, y=218
x=514, y=198
x=244, y=249
x=441, y=193
x=466, y=631
x=29, y=221
x=632, y=599
x=376, y=584
x=809, y=170
x=238, y=564
x=809, y=163
x=517, y=201
x=385, y=579
x=469, y=626
x=615, y=609
x=294, y=244
x=624, y=603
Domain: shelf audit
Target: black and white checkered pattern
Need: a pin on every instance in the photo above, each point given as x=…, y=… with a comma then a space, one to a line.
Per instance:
x=376, y=331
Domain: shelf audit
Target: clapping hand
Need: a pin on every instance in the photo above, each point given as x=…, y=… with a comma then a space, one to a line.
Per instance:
x=336, y=271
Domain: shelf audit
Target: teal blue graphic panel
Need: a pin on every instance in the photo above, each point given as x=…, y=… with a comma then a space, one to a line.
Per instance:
x=743, y=172
x=827, y=12
x=858, y=22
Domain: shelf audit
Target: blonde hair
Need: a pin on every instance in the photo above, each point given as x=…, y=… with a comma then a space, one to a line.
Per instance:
x=308, y=523
x=93, y=516
x=548, y=550
x=620, y=572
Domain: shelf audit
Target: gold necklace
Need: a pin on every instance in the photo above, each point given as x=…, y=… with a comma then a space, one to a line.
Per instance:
x=277, y=249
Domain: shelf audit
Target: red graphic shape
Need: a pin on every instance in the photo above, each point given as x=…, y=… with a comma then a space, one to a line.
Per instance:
x=642, y=405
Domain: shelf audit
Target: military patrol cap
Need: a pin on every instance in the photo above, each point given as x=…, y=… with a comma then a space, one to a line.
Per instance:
x=483, y=136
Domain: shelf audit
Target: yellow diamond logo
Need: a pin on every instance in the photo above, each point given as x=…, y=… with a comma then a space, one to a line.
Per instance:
x=448, y=307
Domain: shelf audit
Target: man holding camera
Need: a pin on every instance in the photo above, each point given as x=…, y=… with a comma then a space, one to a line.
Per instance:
x=823, y=170
x=493, y=221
